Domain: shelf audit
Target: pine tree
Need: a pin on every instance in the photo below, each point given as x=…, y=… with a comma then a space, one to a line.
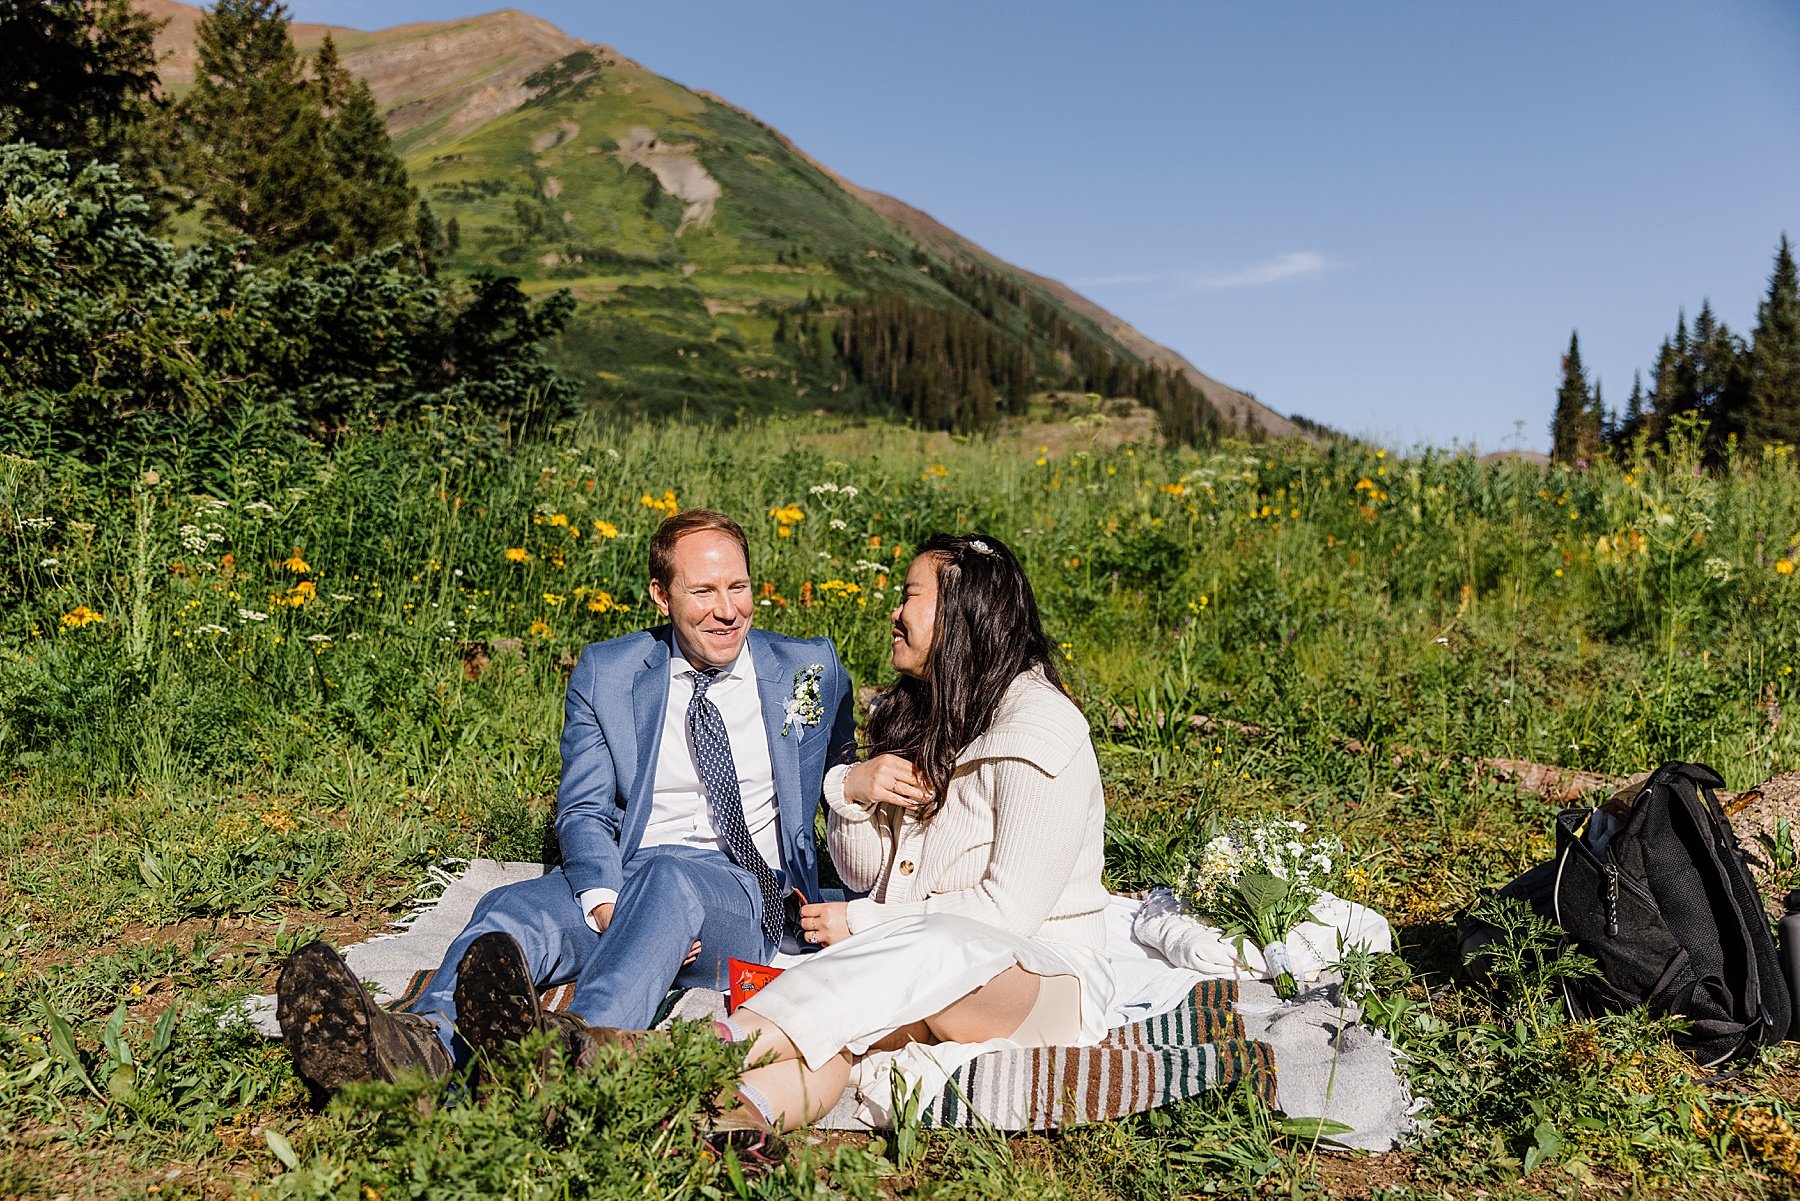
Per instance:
x=1574, y=433
x=1599, y=426
x=375, y=202
x=256, y=132
x=1772, y=408
x=1632, y=424
x=76, y=75
x=1719, y=392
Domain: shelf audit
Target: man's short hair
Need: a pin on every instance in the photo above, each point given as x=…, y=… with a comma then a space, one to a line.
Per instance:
x=677, y=526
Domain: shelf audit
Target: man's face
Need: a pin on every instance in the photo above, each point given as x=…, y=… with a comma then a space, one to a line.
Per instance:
x=708, y=598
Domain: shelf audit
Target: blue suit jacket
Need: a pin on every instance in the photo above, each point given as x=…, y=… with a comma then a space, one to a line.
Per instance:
x=612, y=728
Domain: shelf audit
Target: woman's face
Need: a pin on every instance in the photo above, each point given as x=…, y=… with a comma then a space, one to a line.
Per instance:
x=916, y=617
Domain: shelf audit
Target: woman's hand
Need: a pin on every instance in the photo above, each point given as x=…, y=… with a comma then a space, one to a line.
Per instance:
x=886, y=780
x=825, y=923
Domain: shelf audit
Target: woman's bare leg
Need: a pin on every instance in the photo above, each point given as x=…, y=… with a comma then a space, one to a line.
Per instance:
x=798, y=1096
x=795, y=1094
x=770, y=1040
x=994, y=1010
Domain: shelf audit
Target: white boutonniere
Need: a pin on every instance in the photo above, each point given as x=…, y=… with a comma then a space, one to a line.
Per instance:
x=804, y=705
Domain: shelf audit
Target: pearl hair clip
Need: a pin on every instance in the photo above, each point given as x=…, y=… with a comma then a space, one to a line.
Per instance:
x=980, y=547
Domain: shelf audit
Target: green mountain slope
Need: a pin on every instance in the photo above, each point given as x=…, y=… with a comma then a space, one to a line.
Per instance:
x=712, y=261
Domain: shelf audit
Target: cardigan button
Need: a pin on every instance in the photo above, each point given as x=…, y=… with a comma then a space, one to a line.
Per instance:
x=906, y=867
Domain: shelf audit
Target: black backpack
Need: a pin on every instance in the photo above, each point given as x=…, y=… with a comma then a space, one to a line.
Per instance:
x=1668, y=910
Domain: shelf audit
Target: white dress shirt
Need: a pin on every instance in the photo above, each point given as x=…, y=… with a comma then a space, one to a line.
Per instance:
x=679, y=813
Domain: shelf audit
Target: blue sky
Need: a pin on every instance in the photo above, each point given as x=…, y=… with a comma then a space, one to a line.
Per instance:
x=1386, y=216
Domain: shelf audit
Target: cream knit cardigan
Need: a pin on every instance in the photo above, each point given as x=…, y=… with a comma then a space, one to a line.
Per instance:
x=1018, y=843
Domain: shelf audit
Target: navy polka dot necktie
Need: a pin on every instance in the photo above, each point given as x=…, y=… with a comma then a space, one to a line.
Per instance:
x=712, y=747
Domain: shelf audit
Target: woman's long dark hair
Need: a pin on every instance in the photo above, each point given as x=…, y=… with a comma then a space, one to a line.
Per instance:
x=986, y=633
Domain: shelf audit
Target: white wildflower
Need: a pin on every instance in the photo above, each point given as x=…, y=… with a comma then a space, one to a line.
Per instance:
x=252, y=615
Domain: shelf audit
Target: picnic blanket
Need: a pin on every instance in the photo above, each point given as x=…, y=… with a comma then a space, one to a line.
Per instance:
x=1176, y=1033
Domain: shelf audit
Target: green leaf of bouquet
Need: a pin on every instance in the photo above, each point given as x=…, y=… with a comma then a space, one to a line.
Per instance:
x=1261, y=892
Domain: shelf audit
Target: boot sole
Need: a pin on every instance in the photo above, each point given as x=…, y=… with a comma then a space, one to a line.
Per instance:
x=496, y=1001
x=324, y=1017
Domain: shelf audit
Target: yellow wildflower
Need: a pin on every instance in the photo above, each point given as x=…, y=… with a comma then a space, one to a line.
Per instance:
x=1784, y=567
x=295, y=563
x=539, y=630
x=599, y=602
x=559, y=519
x=1175, y=489
x=789, y=514
x=606, y=529
x=666, y=505
x=80, y=616
x=551, y=598
x=517, y=554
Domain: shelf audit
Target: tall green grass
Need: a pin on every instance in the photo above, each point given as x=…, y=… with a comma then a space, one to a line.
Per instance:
x=239, y=708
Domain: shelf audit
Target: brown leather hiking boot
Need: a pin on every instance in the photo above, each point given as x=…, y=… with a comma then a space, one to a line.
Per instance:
x=336, y=1032
x=497, y=1005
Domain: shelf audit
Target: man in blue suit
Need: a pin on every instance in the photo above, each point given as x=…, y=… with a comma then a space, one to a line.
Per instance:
x=694, y=757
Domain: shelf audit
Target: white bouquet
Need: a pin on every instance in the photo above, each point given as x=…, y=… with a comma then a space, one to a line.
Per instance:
x=1258, y=881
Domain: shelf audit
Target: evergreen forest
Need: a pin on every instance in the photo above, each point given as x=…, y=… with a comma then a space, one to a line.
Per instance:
x=1742, y=392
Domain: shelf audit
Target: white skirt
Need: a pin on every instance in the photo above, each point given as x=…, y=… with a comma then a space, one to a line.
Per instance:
x=857, y=991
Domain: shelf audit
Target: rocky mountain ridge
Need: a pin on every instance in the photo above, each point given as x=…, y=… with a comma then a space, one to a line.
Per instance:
x=534, y=140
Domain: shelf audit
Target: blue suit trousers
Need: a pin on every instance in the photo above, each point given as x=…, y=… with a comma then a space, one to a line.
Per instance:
x=672, y=895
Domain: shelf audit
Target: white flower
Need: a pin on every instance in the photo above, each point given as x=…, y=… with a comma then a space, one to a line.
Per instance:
x=259, y=506
x=210, y=628
x=38, y=523
x=849, y=491
x=804, y=704
x=838, y=523
x=318, y=637
x=47, y=563
x=252, y=615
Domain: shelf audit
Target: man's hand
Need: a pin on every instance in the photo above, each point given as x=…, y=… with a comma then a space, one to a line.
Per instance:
x=825, y=923
x=602, y=915
x=886, y=780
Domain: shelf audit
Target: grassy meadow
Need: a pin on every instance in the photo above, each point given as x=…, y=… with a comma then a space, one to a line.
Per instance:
x=240, y=711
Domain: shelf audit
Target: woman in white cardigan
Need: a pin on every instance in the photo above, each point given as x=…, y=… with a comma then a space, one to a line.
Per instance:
x=975, y=826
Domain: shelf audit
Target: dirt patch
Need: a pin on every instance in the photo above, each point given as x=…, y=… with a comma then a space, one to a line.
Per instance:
x=1345, y=1175
x=552, y=187
x=564, y=133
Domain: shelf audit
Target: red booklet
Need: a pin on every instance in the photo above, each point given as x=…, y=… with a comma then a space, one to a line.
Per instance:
x=746, y=980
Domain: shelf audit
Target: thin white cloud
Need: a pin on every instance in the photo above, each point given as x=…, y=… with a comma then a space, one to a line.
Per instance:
x=1292, y=265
